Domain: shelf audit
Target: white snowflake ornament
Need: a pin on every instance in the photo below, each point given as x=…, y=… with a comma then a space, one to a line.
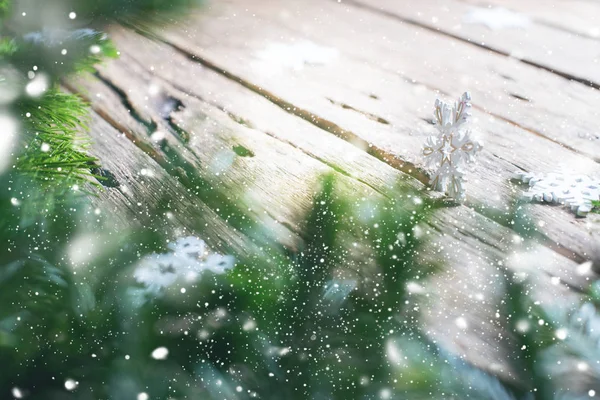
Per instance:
x=448, y=151
x=575, y=191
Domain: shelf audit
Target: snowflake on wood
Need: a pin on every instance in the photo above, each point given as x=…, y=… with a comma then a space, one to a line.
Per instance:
x=578, y=192
x=447, y=152
x=497, y=18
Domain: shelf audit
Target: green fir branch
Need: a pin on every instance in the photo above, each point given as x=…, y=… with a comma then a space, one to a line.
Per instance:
x=54, y=144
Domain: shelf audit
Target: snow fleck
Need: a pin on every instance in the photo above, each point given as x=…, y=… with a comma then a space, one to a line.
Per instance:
x=143, y=396
x=72, y=15
x=394, y=353
x=95, y=49
x=283, y=351
x=71, y=384
x=157, y=136
x=461, y=322
x=561, y=334
x=584, y=268
x=38, y=85
x=592, y=393
x=414, y=287
x=160, y=353
x=203, y=334
x=45, y=147
x=522, y=326
x=147, y=172
x=249, y=325
x=15, y=202
x=385, y=394
x=497, y=18
x=82, y=249
x=17, y=393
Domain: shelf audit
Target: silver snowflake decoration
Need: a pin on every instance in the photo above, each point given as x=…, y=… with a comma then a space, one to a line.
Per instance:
x=575, y=191
x=447, y=152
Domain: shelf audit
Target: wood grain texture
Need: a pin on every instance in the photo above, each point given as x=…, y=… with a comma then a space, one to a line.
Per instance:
x=577, y=16
x=367, y=111
x=503, y=87
x=567, y=54
x=143, y=188
x=204, y=116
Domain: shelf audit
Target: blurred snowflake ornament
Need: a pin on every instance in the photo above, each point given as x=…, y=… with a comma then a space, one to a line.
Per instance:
x=497, y=18
x=578, y=192
x=447, y=152
x=187, y=260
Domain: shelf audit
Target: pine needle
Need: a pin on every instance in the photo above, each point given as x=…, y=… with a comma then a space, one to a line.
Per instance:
x=55, y=149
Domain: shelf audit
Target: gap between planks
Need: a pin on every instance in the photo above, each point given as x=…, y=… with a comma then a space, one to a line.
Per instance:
x=481, y=350
x=327, y=125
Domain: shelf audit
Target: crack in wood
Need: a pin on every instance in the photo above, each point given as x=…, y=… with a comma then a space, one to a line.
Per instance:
x=519, y=97
x=369, y=115
x=150, y=125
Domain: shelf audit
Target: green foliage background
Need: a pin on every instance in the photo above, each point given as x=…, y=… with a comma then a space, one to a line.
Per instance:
x=318, y=322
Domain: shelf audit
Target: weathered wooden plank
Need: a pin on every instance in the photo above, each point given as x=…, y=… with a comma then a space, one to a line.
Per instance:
x=262, y=115
x=564, y=53
x=502, y=86
x=332, y=98
x=140, y=187
x=577, y=16
x=232, y=115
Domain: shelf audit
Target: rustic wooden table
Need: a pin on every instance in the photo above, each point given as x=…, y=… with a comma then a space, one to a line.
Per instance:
x=269, y=94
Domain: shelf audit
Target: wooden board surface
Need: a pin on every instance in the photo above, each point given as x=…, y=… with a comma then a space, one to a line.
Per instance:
x=336, y=101
x=513, y=34
x=261, y=98
x=576, y=16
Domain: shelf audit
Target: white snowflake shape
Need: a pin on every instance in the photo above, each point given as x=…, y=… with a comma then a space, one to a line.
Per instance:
x=451, y=148
x=497, y=18
x=186, y=262
x=575, y=191
x=281, y=57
